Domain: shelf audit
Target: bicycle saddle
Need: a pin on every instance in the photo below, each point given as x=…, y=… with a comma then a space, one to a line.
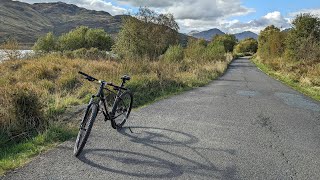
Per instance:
x=125, y=77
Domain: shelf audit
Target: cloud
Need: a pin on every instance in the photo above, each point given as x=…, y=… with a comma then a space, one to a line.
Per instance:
x=196, y=14
x=256, y=25
x=149, y=3
x=98, y=5
x=315, y=12
x=195, y=10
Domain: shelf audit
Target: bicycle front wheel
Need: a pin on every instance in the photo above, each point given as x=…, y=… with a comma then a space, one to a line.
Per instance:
x=121, y=109
x=85, y=128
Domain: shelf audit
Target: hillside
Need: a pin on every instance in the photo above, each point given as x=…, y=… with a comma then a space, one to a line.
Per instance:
x=27, y=22
x=246, y=34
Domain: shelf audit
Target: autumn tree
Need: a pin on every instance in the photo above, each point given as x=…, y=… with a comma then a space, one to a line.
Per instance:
x=303, y=39
x=245, y=46
x=148, y=34
x=271, y=42
x=228, y=41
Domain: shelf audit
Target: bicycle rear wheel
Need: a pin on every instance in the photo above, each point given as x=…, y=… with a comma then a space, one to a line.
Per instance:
x=121, y=109
x=85, y=128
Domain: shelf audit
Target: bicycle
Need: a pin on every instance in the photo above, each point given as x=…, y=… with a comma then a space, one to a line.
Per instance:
x=121, y=108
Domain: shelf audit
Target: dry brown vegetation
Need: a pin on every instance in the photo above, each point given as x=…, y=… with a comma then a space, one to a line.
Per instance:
x=36, y=90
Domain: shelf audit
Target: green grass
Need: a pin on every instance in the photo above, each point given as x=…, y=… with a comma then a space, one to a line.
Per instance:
x=14, y=155
x=310, y=91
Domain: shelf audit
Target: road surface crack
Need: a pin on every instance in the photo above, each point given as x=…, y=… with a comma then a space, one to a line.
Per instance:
x=276, y=144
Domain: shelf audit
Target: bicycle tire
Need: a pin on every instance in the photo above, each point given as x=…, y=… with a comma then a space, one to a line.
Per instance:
x=122, y=106
x=86, y=126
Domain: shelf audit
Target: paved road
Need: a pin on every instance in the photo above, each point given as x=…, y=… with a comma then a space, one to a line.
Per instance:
x=244, y=125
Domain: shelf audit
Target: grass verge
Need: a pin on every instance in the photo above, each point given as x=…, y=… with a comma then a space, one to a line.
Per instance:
x=311, y=91
x=14, y=155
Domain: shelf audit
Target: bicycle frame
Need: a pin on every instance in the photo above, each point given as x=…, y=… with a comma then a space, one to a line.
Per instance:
x=102, y=98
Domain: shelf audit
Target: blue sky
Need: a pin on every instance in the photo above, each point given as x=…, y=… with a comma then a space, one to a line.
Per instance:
x=231, y=16
x=285, y=7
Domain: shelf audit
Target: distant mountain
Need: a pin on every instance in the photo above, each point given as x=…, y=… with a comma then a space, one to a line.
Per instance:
x=286, y=30
x=246, y=34
x=207, y=35
x=193, y=32
x=27, y=22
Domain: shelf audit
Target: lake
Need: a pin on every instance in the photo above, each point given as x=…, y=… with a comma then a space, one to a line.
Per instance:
x=23, y=54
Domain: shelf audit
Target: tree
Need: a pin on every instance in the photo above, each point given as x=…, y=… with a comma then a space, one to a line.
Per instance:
x=46, y=43
x=303, y=39
x=228, y=41
x=248, y=45
x=147, y=35
x=75, y=39
x=271, y=42
x=98, y=38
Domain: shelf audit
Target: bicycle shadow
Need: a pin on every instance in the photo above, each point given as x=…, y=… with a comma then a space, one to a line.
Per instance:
x=155, y=165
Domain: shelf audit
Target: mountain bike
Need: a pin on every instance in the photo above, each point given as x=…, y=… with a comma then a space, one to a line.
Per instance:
x=120, y=98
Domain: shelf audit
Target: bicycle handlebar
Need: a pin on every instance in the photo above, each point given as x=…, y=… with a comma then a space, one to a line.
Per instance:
x=88, y=77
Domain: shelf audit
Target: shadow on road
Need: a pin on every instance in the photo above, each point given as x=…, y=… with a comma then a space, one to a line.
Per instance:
x=166, y=159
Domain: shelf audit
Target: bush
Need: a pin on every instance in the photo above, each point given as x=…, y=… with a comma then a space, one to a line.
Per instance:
x=46, y=43
x=80, y=37
x=149, y=36
x=214, y=52
x=174, y=54
x=247, y=46
x=228, y=41
x=22, y=113
x=80, y=53
x=98, y=38
x=271, y=42
x=195, y=50
x=75, y=39
x=303, y=39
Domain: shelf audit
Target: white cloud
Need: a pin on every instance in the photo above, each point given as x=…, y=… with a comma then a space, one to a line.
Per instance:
x=315, y=12
x=256, y=25
x=195, y=14
x=99, y=5
x=195, y=9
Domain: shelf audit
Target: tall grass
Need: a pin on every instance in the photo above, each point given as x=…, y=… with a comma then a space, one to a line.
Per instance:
x=35, y=91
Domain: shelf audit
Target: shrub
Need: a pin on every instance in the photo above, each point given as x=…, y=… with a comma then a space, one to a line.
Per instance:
x=46, y=43
x=271, y=42
x=149, y=36
x=94, y=53
x=174, y=54
x=214, y=51
x=195, y=50
x=247, y=46
x=80, y=53
x=28, y=111
x=80, y=37
x=22, y=113
x=228, y=41
x=303, y=39
x=98, y=38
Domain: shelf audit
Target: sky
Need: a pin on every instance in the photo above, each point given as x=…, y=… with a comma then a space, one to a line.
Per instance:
x=230, y=16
